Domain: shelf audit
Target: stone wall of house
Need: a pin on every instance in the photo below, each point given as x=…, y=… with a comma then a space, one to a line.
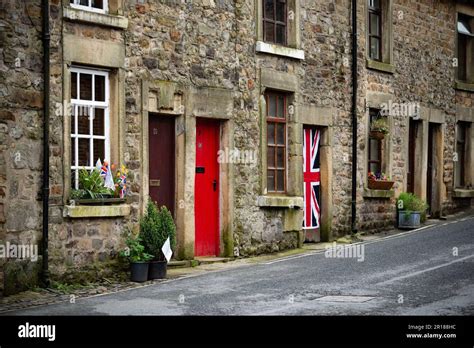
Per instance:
x=21, y=101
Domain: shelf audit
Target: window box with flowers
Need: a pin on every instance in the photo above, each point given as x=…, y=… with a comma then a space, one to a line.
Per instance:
x=100, y=194
x=100, y=186
x=379, y=181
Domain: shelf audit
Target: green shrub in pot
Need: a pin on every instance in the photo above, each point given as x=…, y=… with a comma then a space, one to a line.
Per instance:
x=155, y=228
x=409, y=206
x=138, y=258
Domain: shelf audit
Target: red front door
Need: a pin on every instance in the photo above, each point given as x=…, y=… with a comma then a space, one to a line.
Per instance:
x=206, y=192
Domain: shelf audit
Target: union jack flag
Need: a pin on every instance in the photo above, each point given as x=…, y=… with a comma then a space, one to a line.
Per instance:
x=104, y=170
x=312, y=178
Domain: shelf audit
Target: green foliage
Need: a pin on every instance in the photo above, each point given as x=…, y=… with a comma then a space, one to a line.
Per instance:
x=135, y=251
x=91, y=186
x=380, y=125
x=408, y=202
x=155, y=227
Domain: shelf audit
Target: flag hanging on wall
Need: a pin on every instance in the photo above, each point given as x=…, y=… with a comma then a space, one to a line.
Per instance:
x=311, y=178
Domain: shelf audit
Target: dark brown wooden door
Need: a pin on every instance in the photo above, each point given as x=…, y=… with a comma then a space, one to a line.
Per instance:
x=162, y=161
x=430, y=176
x=411, y=155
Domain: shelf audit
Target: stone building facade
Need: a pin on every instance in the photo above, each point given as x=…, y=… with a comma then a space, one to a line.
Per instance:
x=182, y=62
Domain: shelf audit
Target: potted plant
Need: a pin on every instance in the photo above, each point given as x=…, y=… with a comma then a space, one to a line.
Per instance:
x=379, y=128
x=411, y=210
x=379, y=181
x=155, y=228
x=138, y=258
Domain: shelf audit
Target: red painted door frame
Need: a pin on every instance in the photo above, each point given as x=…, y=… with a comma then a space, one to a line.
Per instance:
x=206, y=189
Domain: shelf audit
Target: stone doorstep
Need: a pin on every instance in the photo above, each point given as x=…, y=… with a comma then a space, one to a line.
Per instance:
x=206, y=260
x=197, y=261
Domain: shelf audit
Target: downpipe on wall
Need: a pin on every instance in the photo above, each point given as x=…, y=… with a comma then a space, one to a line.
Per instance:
x=46, y=38
x=354, y=117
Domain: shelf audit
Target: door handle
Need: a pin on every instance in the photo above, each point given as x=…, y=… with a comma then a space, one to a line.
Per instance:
x=214, y=185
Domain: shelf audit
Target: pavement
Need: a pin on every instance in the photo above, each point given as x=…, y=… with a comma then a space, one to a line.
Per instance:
x=429, y=271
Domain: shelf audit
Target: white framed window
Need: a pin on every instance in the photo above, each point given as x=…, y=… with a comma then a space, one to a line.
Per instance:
x=90, y=120
x=100, y=6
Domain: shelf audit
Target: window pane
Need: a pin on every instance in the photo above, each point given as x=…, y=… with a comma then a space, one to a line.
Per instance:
x=73, y=151
x=73, y=119
x=97, y=4
x=271, y=157
x=83, y=121
x=281, y=107
x=280, y=11
x=374, y=167
x=73, y=85
x=269, y=32
x=98, y=122
x=84, y=2
x=374, y=24
x=374, y=4
x=85, y=81
x=99, y=150
x=272, y=105
x=73, y=179
x=271, y=134
x=271, y=181
x=269, y=9
x=280, y=134
x=462, y=57
x=374, y=150
x=461, y=132
x=281, y=157
x=280, y=34
x=99, y=88
x=374, y=48
x=84, y=152
x=281, y=180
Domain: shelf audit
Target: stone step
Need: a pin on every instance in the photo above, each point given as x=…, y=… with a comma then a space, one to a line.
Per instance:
x=210, y=259
x=179, y=264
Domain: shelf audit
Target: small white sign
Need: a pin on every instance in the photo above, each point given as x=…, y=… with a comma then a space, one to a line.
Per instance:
x=166, y=249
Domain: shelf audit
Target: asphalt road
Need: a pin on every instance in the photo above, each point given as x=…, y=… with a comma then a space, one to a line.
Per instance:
x=416, y=273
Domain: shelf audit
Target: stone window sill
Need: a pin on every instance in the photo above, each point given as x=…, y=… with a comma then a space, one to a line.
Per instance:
x=463, y=193
x=96, y=211
x=464, y=86
x=280, y=202
x=283, y=51
x=103, y=19
x=384, y=67
x=380, y=194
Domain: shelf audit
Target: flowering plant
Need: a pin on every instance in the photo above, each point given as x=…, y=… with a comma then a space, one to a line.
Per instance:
x=100, y=182
x=379, y=176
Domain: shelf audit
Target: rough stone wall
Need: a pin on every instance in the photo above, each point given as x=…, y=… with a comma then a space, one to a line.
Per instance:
x=21, y=101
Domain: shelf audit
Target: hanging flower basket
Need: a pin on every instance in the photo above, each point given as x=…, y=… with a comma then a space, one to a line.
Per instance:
x=381, y=184
x=376, y=134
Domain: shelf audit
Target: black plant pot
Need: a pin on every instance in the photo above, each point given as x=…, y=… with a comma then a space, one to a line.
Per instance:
x=139, y=271
x=157, y=270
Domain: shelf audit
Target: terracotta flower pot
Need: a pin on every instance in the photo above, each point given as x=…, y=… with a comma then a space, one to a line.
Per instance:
x=380, y=184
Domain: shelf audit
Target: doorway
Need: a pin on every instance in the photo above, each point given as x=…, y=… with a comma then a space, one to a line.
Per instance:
x=162, y=161
x=312, y=183
x=207, y=185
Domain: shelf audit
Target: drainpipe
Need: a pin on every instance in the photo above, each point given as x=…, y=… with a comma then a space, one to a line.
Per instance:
x=354, y=116
x=45, y=189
